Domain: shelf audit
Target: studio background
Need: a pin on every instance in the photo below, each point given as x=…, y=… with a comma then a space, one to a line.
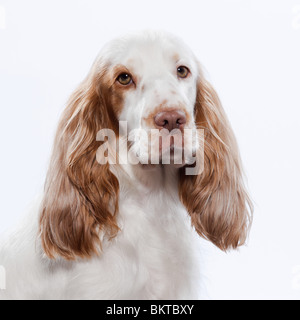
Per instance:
x=251, y=53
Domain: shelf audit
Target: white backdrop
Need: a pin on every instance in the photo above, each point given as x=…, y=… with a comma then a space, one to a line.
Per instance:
x=251, y=51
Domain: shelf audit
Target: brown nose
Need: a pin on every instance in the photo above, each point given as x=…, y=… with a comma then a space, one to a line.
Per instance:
x=170, y=120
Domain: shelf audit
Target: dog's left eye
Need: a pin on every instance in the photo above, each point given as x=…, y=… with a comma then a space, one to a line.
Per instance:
x=183, y=72
x=125, y=79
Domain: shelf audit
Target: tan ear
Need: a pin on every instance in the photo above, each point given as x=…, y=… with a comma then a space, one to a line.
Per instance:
x=81, y=196
x=217, y=201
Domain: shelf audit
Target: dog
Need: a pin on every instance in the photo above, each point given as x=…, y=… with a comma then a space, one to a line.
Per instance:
x=110, y=228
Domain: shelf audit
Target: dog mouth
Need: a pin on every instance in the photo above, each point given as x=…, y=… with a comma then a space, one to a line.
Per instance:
x=170, y=144
x=165, y=153
x=162, y=147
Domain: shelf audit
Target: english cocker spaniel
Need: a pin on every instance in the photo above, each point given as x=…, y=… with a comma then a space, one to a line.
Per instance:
x=144, y=160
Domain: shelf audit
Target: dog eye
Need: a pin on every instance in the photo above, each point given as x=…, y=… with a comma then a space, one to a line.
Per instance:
x=125, y=79
x=183, y=72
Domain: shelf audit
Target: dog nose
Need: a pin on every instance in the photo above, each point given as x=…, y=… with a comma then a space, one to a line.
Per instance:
x=170, y=120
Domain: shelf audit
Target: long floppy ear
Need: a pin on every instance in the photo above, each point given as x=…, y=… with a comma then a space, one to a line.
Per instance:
x=81, y=196
x=217, y=201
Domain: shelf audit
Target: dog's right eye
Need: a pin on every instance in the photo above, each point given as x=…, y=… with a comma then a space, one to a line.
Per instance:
x=125, y=79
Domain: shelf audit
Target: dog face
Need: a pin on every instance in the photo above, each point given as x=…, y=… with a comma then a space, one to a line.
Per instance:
x=153, y=79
